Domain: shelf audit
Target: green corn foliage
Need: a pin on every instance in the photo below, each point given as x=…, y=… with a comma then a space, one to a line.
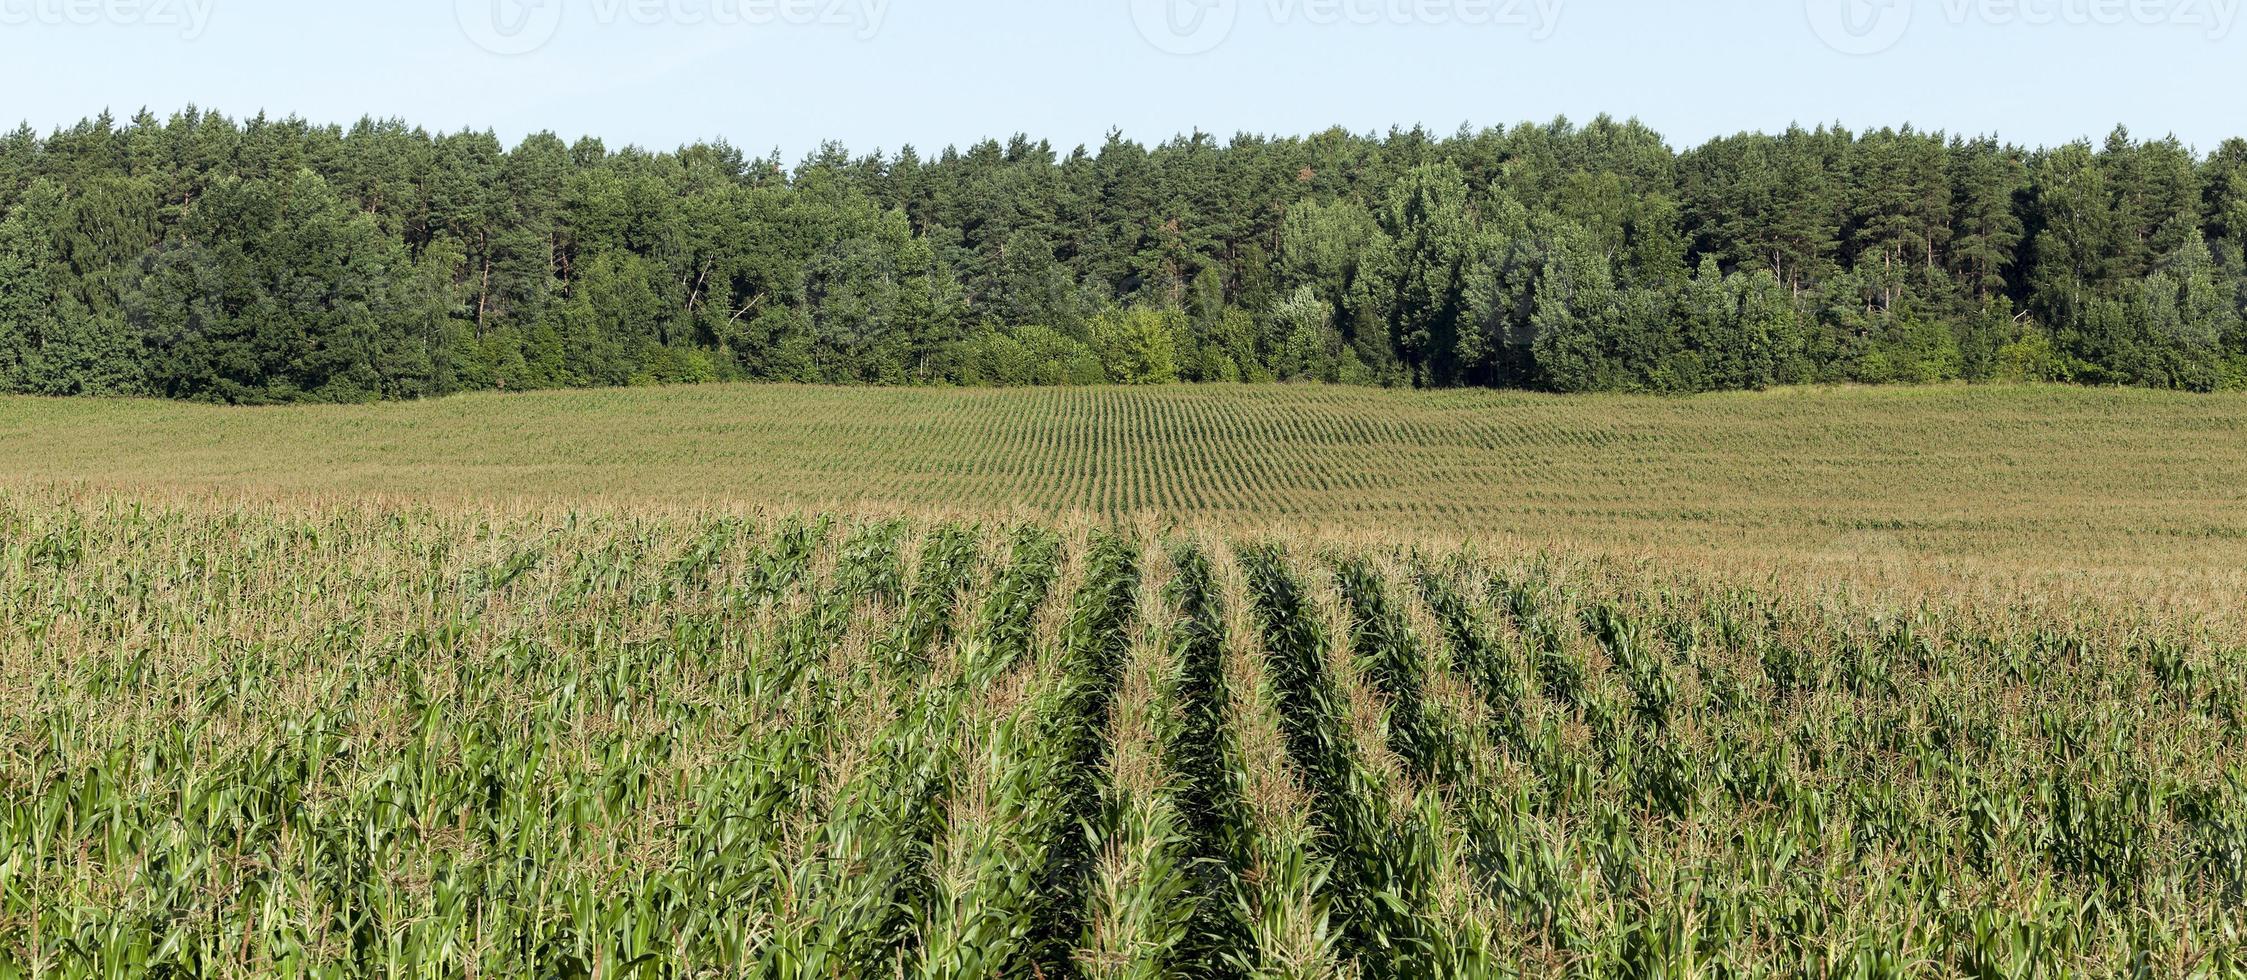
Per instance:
x=1202, y=754
x=1094, y=643
x=319, y=740
x=1436, y=783
x=1032, y=795
x=1140, y=902
x=990, y=854
x=843, y=908
x=1374, y=870
x=1285, y=904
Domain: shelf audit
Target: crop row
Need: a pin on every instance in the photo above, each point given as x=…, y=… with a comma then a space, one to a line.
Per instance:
x=389, y=743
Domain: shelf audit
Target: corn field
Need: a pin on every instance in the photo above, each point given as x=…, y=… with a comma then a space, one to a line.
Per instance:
x=360, y=740
x=2145, y=491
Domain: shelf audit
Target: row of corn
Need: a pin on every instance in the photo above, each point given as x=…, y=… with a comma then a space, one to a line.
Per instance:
x=353, y=742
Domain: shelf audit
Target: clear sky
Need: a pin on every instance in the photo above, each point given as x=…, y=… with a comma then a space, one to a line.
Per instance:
x=786, y=74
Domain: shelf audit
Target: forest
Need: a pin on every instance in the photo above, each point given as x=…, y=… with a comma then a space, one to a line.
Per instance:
x=269, y=260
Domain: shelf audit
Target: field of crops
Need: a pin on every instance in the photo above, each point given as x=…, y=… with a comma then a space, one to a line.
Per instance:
x=2124, y=486
x=362, y=739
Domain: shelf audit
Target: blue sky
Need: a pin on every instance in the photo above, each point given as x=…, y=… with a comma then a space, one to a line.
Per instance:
x=786, y=74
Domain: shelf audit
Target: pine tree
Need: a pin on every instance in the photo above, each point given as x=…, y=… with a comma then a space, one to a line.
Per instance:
x=1986, y=180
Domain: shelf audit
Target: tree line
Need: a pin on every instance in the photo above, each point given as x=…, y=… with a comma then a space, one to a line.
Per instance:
x=264, y=260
